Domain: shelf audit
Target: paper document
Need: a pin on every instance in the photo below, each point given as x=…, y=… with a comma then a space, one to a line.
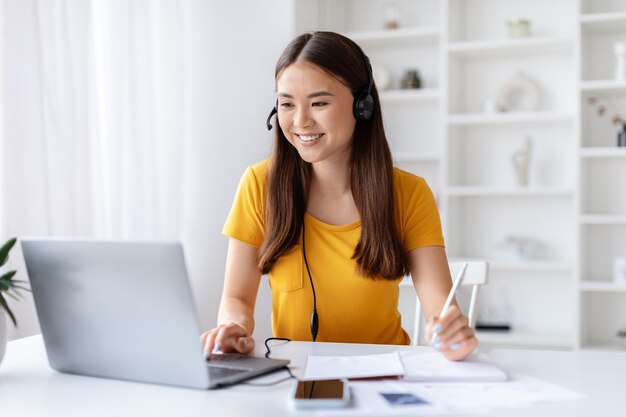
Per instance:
x=412, y=366
x=457, y=398
x=434, y=367
x=361, y=366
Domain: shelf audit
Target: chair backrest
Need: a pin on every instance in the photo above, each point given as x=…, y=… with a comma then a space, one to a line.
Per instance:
x=476, y=274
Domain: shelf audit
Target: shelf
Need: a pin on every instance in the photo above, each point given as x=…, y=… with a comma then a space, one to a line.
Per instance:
x=413, y=95
x=606, y=286
x=508, y=118
x=603, y=152
x=531, y=44
x=467, y=191
x=425, y=34
x=603, y=86
x=604, y=21
x=603, y=219
x=604, y=345
x=526, y=339
x=417, y=156
x=523, y=265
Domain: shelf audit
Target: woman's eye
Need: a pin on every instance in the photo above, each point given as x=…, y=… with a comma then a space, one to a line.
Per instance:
x=320, y=104
x=286, y=105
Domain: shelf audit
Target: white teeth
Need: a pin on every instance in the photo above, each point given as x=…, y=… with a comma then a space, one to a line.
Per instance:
x=309, y=138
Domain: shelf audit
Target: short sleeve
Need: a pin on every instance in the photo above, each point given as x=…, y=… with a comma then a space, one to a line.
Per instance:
x=245, y=221
x=421, y=224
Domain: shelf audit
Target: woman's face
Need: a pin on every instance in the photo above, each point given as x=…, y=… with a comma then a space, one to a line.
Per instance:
x=315, y=112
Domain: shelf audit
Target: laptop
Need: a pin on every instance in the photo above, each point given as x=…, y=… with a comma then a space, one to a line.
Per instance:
x=125, y=310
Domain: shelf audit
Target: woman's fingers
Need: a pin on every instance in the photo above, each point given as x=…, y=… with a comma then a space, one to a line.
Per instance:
x=245, y=344
x=208, y=340
x=453, y=328
x=461, y=349
x=452, y=335
x=228, y=338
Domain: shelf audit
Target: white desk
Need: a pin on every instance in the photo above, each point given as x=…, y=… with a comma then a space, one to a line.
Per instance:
x=28, y=387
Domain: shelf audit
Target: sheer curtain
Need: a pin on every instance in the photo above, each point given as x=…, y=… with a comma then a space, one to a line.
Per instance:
x=95, y=120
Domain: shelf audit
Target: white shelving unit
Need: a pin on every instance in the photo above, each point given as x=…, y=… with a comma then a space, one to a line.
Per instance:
x=573, y=209
x=425, y=34
x=511, y=46
x=602, y=206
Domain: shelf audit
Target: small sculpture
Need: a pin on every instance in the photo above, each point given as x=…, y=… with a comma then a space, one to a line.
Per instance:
x=523, y=248
x=411, y=79
x=521, y=162
x=391, y=16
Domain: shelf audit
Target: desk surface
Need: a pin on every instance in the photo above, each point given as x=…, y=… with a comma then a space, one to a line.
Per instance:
x=28, y=387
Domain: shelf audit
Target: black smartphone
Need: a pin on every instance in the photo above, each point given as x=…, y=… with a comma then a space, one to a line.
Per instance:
x=327, y=393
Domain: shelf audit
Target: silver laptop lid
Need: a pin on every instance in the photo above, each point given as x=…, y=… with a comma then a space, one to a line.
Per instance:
x=117, y=310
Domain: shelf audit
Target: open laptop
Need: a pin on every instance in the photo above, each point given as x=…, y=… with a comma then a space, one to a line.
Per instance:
x=125, y=310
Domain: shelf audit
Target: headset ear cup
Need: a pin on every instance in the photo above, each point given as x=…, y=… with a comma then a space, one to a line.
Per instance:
x=368, y=107
x=364, y=107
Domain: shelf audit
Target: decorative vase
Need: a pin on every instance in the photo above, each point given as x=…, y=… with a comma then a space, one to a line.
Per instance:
x=518, y=27
x=411, y=79
x=391, y=16
x=3, y=333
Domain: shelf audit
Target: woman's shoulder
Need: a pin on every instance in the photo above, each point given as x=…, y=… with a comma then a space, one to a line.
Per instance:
x=405, y=180
x=260, y=168
x=257, y=172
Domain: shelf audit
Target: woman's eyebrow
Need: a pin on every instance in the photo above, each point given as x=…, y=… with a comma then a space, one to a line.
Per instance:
x=312, y=95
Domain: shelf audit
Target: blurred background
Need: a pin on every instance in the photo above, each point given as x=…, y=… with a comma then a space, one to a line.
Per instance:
x=135, y=120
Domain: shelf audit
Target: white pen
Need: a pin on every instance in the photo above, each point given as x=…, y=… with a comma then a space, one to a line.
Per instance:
x=455, y=287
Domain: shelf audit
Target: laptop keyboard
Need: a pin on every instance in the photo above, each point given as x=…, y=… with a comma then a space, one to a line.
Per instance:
x=219, y=372
x=227, y=357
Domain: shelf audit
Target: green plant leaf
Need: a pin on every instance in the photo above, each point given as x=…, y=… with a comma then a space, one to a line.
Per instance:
x=3, y=304
x=8, y=276
x=4, y=250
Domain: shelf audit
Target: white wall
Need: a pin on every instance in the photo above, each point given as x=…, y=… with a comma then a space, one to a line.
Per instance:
x=242, y=45
x=237, y=44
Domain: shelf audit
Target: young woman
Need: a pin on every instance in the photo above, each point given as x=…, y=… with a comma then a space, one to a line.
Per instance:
x=330, y=220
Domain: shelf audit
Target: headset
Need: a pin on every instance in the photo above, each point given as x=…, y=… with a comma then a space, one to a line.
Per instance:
x=363, y=110
x=363, y=107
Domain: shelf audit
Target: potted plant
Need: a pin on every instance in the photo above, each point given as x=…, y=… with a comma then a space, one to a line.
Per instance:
x=8, y=287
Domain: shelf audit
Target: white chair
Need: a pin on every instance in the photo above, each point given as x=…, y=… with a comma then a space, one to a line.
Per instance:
x=476, y=274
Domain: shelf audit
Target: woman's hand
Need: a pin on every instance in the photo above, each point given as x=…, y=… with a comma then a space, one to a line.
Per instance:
x=230, y=337
x=454, y=338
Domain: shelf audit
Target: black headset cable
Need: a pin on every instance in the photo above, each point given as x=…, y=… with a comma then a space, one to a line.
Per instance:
x=314, y=317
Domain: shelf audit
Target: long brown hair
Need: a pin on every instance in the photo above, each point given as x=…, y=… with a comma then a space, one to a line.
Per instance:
x=379, y=253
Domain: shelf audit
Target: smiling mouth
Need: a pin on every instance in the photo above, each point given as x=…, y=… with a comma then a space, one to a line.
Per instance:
x=309, y=138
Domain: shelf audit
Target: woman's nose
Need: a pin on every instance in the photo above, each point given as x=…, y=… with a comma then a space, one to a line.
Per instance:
x=302, y=118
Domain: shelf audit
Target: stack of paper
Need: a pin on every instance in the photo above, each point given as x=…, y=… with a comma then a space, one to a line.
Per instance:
x=434, y=367
x=412, y=366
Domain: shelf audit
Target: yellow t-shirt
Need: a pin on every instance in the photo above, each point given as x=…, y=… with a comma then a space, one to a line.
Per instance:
x=351, y=308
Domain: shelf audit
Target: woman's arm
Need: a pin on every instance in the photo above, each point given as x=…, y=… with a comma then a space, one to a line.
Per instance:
x=432, y=282
x=236, y=314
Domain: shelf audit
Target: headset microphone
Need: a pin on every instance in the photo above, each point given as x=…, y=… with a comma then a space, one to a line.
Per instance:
x=273, y=112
